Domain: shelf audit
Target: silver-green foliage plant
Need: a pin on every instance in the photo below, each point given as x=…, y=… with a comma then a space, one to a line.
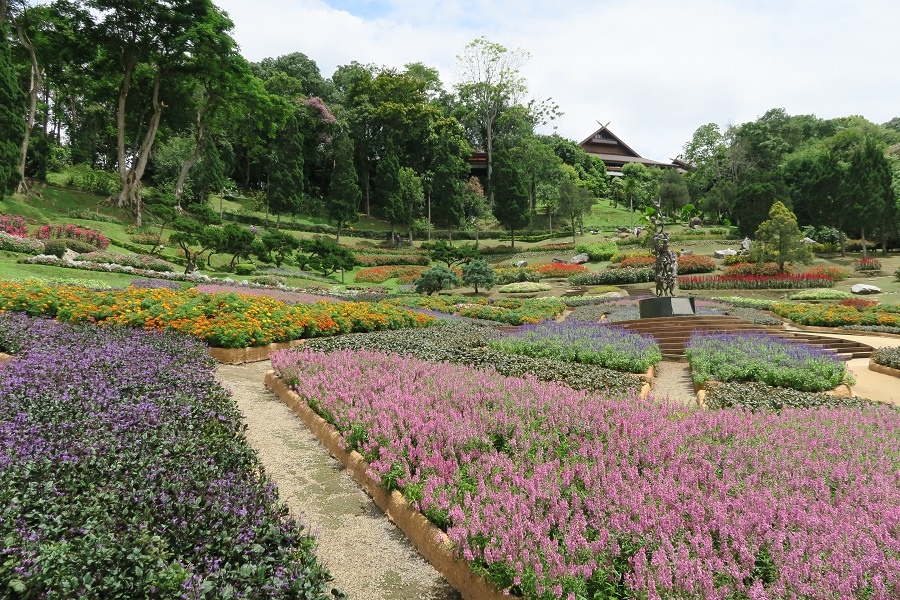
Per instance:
x=888, y=357
x=820, y=294
x=524, y=287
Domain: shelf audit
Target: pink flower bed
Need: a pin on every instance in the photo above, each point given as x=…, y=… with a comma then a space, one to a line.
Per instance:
x=283, y=295
x=556, y=493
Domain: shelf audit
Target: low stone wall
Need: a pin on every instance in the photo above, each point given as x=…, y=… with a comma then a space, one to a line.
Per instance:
x=239, y=356
x=430, y=541
x=874, y=366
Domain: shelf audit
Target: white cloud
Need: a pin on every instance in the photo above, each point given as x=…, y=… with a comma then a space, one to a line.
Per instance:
x=656, y=69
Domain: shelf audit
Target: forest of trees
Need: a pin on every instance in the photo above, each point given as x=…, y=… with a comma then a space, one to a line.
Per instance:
x=153, y=103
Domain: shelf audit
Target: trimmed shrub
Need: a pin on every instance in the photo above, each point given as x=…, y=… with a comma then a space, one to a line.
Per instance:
x=614, y=277
x=504, y=275
x=244, y=269
x=436, y=279
x=598, y=251
x=58, y=246
x=820, y=295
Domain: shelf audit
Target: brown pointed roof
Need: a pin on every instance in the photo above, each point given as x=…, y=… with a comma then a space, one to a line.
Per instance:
x=614, y=153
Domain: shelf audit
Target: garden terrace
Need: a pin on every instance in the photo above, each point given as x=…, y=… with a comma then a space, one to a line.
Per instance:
x=672, y=334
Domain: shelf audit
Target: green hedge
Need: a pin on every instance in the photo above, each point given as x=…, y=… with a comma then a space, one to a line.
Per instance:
x=614, y=277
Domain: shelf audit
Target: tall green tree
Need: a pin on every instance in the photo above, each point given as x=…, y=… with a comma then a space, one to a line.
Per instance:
x=673, y=191
x=284, y=192
x=12, y=126
x=870, y=198
x=779, y=239
x=387, y=187
x=574, y=202
x=342, y=203
x=410, y=200
x=489, y=83
x=512, y=207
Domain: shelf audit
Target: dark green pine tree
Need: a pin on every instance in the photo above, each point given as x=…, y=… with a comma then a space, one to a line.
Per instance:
x=12, y=124
x=387, y=187
x=510, y=187
x=284, y=190
x=868, y=184
x=342, y=203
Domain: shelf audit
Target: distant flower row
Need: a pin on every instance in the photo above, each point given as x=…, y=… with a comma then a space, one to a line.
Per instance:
x=16, y=226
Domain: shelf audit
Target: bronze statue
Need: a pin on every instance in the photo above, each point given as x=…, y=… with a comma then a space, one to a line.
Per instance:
x=666, y=270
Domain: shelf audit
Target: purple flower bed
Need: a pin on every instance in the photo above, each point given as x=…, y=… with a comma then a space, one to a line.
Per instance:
x=124, y=474
x=556, y=493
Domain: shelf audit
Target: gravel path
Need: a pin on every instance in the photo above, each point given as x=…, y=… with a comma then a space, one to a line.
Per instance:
x=673, y=379
x=367, y=555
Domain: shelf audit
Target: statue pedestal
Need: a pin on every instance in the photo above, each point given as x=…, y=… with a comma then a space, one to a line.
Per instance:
x=667, y=306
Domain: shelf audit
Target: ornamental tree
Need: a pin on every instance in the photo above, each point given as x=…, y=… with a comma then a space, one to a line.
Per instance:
x=780, y=240
x=478, y=272
x=325, y=256
x=435, y=279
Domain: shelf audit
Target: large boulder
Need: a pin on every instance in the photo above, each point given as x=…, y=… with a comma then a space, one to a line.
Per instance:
x=520, y=263
x=695, y=221
x=724, y=253
x=864, y=288
x=580, y=259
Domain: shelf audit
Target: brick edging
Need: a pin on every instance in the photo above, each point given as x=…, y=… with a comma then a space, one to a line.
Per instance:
x=884, y=370
x=431, y=542
x=238, y=356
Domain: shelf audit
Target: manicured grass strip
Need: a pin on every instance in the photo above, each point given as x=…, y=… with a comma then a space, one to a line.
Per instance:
x=588, y=343
x=124, y=473
x=760, y=357
x=555, y=493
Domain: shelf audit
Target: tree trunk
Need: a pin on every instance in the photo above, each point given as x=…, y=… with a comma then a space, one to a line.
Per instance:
x=843, y=241
x=337, y=239
x=33, y=88
x=192, y=160
x=130, y=196
x=512, y=237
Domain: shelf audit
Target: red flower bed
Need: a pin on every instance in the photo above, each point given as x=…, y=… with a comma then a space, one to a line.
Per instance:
x=836, y=273
x=694, y=263
x=754, y=282
x=405, y=274
x=558, y=269
x=859, y=304
x=636, y=261
x=13, y=225
x=752, y=268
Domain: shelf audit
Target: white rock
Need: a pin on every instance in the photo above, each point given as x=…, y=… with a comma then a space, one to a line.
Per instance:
x=580, y=259
x=724, y=253
x=863, y=288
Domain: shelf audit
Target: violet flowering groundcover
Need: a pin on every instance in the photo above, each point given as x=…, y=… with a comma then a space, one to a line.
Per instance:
x=124, y=473
x=742, y=356
x=588, y=343
x=557, y=493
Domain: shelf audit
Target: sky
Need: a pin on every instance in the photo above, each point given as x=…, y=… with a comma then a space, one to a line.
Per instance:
x=654, y=71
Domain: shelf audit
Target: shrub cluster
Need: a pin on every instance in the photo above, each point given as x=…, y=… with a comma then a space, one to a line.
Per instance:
x=504, y=275
x=57, y=247
x=146, y=239
x=815, y=294
x=614, y=277
x=737, y=259
x=860, y=304
x=125, y=474
x=137, y=261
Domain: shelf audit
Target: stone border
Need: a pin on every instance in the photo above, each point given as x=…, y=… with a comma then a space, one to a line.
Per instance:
x=238, y=356
x=431, y=542
x=648, y=381
x=873, y=366
x=702, y=389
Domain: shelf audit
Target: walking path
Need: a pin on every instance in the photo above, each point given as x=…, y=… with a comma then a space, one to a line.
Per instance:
x=368, y=556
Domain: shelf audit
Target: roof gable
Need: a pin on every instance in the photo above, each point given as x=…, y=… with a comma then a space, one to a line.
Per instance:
x=604, y=141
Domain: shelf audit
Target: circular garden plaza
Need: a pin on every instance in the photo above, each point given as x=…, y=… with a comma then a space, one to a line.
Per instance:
x=453, y=421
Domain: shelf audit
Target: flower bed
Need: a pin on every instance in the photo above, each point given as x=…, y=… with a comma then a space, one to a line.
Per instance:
x=889, y=357
x=814, y=294
x=832, y=315
x=555, y=493
x=124, y=473
x=695, y=263
x=635, y=261
x=867, y=265
x=524, y=287
x=754, y=282
x=13, y=225
x=756, y=396
x=381, y=260
x=765, y=358
x=557, y=269
x=15, y=243
x=594, y=344
x=620, y=276
x=404, y=274
x=223, y=320
x=75, y=232
x=754, y=268
x=512, y=311
x=836, y=273
x=137, y=261
x=466, y=344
